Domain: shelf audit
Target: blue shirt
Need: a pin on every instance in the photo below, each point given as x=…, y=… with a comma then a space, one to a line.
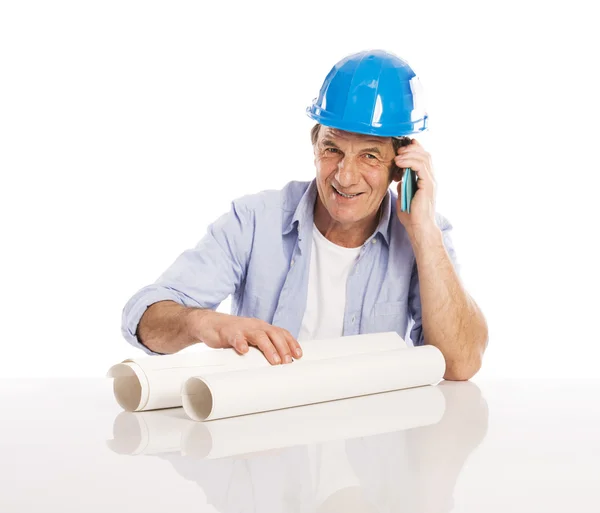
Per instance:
x=259, y=252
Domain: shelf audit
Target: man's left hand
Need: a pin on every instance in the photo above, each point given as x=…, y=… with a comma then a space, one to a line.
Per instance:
x=422, y=208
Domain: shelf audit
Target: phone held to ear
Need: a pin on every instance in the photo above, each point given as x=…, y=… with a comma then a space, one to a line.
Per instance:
x=408, y=189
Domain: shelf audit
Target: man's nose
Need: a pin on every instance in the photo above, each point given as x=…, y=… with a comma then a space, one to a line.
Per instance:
x=347, y=174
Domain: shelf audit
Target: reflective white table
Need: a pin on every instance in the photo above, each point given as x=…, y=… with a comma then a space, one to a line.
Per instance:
x=498, y=446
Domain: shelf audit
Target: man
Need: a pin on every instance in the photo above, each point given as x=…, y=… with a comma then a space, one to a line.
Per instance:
x=333, y=257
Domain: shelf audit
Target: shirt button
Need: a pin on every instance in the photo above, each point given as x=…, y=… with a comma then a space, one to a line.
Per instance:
x=353, y=319
x=292, y=263
x=373, y=241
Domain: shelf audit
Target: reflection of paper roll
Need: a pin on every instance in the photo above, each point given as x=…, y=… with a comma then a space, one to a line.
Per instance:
x=317, y=423
x=242, y=392
x=148, y=432
x=155, y=382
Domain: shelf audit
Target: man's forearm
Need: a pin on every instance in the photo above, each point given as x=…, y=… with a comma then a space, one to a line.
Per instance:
x=165, y=327
x=451, y=319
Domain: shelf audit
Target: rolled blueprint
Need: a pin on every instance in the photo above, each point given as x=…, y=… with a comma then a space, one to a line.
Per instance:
x=155, y=382
x=172, y=431
x=241, y=392
x=317, y=423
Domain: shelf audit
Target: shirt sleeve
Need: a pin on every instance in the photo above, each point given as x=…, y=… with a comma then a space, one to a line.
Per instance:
x=414, y=295
x=201, y=277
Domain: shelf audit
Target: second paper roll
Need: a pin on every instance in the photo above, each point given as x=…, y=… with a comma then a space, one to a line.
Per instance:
x=255, y=390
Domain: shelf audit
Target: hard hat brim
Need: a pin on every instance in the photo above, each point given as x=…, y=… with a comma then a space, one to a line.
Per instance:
x=322, y=117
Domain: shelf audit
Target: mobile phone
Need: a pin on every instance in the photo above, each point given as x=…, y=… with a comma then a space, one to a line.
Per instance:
x=408, y=189
x=409, y=182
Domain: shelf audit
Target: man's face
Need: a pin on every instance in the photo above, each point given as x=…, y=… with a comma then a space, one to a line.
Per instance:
x=354, y=165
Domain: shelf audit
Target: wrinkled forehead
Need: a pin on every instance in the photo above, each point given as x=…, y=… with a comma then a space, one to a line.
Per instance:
x=335, y=134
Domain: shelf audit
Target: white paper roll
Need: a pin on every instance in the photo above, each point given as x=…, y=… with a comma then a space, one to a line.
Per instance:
x=242, y=392
x=155, y=382
x=317, y=423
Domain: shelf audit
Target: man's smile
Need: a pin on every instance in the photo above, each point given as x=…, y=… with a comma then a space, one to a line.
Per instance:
x=345, y=195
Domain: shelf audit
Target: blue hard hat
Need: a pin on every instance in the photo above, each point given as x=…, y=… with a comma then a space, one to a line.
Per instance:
x=372, y=92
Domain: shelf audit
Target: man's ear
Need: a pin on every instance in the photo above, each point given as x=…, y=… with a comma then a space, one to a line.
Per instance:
x=397, y=175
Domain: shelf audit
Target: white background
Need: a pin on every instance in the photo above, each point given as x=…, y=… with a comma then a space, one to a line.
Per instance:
x=127, y=127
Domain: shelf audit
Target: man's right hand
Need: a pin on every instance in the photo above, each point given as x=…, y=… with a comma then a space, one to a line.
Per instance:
x=219, y=330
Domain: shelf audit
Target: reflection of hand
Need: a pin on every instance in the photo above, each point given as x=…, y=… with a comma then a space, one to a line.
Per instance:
x=349, y=500
x=440, y=451
x=220, y=330
x=466, y=413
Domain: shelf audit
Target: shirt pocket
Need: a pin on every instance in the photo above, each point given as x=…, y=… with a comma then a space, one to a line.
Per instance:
x=390, y=316
x=390, y=308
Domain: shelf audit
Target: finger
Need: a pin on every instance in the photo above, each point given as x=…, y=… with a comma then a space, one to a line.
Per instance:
x=418, y=153
x=281, y=344
x=239, y=343
x=293, y=344
x=261, y=340
x=417, y=165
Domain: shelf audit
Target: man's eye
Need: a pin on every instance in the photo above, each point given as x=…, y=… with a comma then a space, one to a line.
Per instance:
x=331, y=150
x=370, y=156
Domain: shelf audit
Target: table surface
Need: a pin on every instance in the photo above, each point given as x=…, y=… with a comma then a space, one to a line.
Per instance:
x=497, y=446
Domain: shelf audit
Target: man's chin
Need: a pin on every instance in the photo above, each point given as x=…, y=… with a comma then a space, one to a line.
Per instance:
x=346, y=218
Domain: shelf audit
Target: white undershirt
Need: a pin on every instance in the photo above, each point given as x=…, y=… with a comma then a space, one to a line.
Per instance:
x=330, y=266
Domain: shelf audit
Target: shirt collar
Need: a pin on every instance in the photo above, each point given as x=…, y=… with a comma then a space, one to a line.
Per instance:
x=384, y=222
x=304, y=214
